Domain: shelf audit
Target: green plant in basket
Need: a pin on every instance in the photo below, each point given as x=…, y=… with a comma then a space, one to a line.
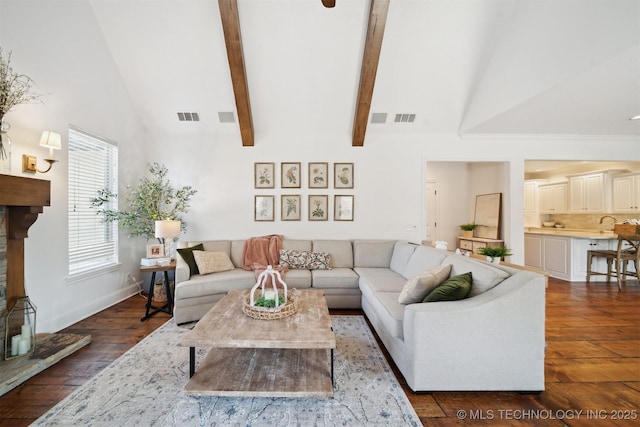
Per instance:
x=268, y=303
x=495, y=252
x=469, y=227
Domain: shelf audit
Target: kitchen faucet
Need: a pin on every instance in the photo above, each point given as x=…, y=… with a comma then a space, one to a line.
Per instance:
x=607, y=216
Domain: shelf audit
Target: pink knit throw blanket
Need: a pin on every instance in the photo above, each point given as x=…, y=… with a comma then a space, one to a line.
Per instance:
x=258, y=252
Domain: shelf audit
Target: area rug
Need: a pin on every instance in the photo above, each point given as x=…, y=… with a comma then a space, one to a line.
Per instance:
x=145, y=387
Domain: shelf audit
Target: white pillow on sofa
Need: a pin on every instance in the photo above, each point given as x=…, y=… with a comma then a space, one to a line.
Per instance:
x=419, y=286
x=212, y=262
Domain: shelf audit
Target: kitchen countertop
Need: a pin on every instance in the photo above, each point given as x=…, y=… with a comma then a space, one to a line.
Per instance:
x=571, y=232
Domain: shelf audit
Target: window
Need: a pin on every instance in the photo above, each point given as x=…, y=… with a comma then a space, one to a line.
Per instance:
x=93, y=165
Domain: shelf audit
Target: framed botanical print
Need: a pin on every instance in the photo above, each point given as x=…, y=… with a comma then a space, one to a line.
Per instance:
x=263, y=208
x=343, y=175
x=318, y=175
x=318, y=207
x=343, y=208
x=264, y=175
x=290, y=207
x=290, y=175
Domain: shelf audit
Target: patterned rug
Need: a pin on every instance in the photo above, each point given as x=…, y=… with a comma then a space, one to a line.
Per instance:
x=145, y=387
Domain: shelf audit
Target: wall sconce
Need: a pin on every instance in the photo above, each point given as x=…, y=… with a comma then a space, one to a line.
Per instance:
x=51, y=140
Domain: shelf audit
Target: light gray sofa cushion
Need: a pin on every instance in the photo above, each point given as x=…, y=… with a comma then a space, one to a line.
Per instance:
x=484, y=276
x=423, y=258
x=341, y=252
x=298, y=278
x=335, y=278
x=237, y=248
x=216, y=283
x=296, y=245
x=402, y=252
x=374, y=271
x=372, y=253
x=383, y=283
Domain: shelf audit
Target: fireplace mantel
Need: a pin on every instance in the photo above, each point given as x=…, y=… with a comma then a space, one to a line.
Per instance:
x=24, y=199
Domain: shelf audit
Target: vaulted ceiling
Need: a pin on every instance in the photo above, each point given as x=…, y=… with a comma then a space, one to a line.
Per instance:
x=462, y=67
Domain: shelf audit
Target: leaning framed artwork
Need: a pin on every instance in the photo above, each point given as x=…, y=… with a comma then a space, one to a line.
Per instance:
x=290, y=175
x=264, y=175
x=343, y=175
x=318, y=207
x=342, y=208
x=263, y=208
x=318, y=175
x=290, y=207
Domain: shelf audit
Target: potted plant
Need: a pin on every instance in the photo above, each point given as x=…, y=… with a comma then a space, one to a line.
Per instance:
x=467, y=229
x=495, y=254
x=151, y=199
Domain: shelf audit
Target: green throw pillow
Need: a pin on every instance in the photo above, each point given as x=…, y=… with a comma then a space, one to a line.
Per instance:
x=452, y=289
x=187, y=256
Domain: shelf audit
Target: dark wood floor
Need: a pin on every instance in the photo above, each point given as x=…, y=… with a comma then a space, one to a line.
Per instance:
x=592, y=366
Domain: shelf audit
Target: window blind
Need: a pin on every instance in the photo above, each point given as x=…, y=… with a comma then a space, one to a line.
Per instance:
x=93, y=166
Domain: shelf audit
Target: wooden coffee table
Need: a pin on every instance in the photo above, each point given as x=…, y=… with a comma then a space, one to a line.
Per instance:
x=289, y=357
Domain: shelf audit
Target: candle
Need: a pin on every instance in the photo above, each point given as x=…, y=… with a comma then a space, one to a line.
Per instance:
x=269, y=295
x=23, y=347
x=15, y=342
x=26, y=335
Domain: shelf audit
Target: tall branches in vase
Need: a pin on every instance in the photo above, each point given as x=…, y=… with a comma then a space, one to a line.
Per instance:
x=15, y=89
x=153, y=198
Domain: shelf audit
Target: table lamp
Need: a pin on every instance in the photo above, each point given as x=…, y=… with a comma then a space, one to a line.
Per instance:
x=167, y=230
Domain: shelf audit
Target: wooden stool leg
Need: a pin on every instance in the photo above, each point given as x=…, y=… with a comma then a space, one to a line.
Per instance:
x=609, y=263
x=589, y=258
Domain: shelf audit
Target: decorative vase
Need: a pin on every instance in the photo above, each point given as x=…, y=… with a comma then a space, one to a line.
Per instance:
x=5, y=148
x=493, y=260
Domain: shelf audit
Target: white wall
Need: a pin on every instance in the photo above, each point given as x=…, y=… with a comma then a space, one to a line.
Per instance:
x=56, y=47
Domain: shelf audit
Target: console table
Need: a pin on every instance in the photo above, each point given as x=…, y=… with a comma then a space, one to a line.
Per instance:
x=474, y=244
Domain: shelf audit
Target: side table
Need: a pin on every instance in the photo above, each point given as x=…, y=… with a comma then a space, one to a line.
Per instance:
x=168, y=307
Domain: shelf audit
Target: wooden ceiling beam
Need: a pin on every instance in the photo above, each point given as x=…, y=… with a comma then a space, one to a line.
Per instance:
x=233, y=42
x=370, y=59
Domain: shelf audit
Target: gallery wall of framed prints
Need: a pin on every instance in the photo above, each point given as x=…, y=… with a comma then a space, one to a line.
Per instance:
x=319, y=201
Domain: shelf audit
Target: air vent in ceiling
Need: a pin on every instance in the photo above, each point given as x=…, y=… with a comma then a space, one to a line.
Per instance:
x=188, y=117
x=378, y=117
x=405, y=118
x=226, y=117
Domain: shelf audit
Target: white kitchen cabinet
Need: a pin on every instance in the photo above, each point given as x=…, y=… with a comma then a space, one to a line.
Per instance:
x=591, y=193
x=579, y=248
x=565, y=257
x=626, y=193
x=531, y=197
x=553, y=198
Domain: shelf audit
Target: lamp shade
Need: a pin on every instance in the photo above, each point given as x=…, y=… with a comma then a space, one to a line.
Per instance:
x=51, y=140
x=168, y=228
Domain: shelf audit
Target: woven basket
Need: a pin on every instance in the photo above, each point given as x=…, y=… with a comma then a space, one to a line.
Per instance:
x=267, y=313
x=626, y=229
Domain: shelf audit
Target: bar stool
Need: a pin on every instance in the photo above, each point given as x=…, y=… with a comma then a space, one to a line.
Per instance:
x=628, y=250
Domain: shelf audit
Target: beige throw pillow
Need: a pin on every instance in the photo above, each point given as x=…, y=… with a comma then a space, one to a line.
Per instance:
x=419, y=286
x=212, y=262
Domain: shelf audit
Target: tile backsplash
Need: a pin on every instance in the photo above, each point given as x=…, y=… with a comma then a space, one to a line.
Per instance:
x=588, y=221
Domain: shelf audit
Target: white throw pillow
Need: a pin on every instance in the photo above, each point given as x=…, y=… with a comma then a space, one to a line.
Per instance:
x=212, y=262
x=419, y=286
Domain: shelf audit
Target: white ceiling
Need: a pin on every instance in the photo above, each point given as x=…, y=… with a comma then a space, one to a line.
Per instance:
x=463, y=67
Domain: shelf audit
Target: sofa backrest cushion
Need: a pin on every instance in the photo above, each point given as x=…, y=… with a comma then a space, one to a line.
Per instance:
x=485, y=276
x=340, y=251
x=373, y=253
x=237, y=247
x=423, y=258
x=402, y=251
x=296, y=245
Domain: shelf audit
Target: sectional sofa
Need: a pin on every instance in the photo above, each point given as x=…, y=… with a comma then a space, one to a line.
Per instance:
x=491, y=340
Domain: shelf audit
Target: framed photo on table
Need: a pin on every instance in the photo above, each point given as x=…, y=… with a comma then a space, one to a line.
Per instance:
x=264, y=175
x=290, y=175
x=290, y=207
x=343, y=175
x=343, y=208
x=318, y=175
x=155, y=250
x=318, y=207
x=263, y=208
